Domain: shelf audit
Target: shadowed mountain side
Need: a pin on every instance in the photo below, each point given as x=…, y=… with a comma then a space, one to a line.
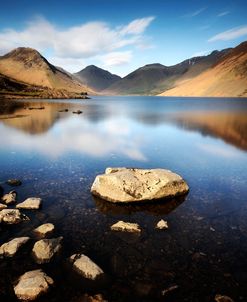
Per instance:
x=29, y=66
x=96, y=78
x=227, y=78
x=154, y=78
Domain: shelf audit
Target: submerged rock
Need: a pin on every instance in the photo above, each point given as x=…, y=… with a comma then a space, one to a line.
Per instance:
x=220, y=298
x=31, y=203
x=12, y=216
x=9, y=249
x=44, y=230
x=32, y=284
x=86, y=267
x=130, y=185
x=126, y=227
x=77, y=112
x=10, y=197
x=44, y=250
x=162, y=225
x=14, y=182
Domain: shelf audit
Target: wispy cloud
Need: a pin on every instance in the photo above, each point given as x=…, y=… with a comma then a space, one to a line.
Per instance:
x=116, y=58
x=83, y=41
x=230, y=34
x=223, y=13
x=195, y=13
x=201, y=53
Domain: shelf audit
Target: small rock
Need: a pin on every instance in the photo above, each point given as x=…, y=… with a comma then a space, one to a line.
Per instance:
x=77, y=112
x=220, y=298
x=162, y=225
x=169, y=289
x=32, y=284
x=44, y=250
x=10, y=197
x=86, y=267
x=31, y=203
x=126, y=227
x=2, y=206
x=14, y=182
x=12, y=216
x=44, y=230
x=9, y=249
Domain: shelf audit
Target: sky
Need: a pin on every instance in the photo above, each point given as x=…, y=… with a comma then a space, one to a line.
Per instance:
x=121, y=36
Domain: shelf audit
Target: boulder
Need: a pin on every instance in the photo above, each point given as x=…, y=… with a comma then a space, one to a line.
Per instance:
x=32, y=284
x=9, y=249
x=44, y=230
x=2, y=206
x=135, y=185
x=86, y=267
x=31, y=203
x=14, y=182
x=162, y=225
x=44, y=250
x=10, y=197
x=221, y=298
x=12, y=216
x=126, y=227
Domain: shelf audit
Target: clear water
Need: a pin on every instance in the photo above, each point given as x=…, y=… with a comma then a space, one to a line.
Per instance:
x=57, y=156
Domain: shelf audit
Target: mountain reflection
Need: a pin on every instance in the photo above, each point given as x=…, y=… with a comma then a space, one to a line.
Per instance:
x=109, y=127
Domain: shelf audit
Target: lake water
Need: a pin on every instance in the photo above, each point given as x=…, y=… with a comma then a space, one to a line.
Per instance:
x=57, y=156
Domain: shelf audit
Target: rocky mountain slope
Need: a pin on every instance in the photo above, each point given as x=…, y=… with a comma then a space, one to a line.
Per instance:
x=226, y=78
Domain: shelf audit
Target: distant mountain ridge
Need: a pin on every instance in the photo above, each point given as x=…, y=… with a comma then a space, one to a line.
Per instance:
x=96, y=78
x=226, y=78
x=152, y=79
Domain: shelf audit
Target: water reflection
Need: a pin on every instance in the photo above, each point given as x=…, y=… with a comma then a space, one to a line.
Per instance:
x=161, y=207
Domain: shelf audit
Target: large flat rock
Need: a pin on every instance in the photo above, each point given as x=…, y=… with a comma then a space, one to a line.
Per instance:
x=31, y=203
x=133, y=185
x=12, y=216
x=44, y=250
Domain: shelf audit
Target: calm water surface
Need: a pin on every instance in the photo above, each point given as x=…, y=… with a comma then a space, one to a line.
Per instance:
x=57, y=156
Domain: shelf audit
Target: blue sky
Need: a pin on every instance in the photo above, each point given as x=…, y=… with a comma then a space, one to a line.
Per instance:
x=121, y=36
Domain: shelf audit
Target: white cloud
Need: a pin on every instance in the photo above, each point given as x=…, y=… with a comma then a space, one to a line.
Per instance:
x=195, y=13
x=201, y=53
x=116, y=58
x=223, y=13
x=84, y=41
x=137, y=26
x=230, y=34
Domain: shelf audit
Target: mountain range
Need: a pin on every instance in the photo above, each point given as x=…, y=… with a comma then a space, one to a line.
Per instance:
x=25, y=72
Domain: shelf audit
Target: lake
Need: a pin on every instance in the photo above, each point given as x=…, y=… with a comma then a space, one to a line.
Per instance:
x=57, y=156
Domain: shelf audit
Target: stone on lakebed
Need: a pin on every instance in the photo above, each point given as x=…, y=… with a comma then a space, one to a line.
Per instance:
x=31, y=203
x=32, y=284
x=10, y=248
x=12, y=216
x=136, y=185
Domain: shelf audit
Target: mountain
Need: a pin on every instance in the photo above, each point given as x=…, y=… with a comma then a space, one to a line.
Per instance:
x=155, y=78
x=28, y=66
x=226, y=78
x=96, y=78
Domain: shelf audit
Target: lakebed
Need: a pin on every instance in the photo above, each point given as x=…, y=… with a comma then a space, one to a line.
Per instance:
x=57, y=155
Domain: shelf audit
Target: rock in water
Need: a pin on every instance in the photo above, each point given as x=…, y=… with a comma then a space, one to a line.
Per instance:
x=2, y=206
x=126, y=227
x=162, y=225
x=220, y=298
x=32, y=284
x=44, y=230
x=10, y=197
x=14, y=182
x=12, y=216
x=44, y=250
x=130, y=185
x=86, y=267
x=31, y=203
x=9, y=249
